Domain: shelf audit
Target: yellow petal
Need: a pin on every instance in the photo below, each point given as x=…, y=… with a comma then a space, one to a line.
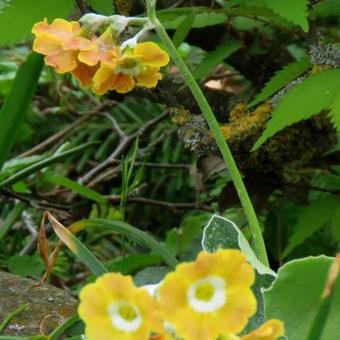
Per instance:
x=151, y=55
x=63, y=62
x=123, y=83
x=103, y=80
x=270, y=330
x=149, y=78
x=76, y=43
x=47, y=44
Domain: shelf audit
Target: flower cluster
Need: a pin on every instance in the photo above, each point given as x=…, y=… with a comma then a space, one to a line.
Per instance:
x=208, y=299
x=98, y=61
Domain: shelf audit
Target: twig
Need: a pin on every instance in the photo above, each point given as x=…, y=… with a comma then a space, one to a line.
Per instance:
x=169, y=205
x=124, y=142
x=82, y=6
x=53, y=139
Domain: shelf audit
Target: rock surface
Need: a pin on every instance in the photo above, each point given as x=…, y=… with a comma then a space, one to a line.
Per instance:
x=48, y=305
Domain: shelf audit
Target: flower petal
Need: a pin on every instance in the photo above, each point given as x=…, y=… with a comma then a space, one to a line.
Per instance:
x=270, y=330
x=64, y=61
x=151, y=54
x=84, y=73
x=149, y=78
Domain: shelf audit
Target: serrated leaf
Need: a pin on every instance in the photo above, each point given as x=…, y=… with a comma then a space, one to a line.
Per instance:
x=216, y=57
x=105, y=7
x=172, y=18
x=295, y=297
x=17, y=19
x=335, y=224
x=282, y=78
x=293, y=10
x=223, y=233
x=314, y=217
x=334, y=114
x=326, y=8
x=314, y=94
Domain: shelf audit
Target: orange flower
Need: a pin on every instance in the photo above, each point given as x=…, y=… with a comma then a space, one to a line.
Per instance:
x=60, y=42
x=139, y=66
x=101, y=50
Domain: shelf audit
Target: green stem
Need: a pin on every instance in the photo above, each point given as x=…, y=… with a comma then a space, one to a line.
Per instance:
x=190, y=81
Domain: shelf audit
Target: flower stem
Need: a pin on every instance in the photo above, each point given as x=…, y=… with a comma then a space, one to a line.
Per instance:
x=259, y=246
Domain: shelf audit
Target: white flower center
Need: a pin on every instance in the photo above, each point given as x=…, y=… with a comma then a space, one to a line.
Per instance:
x=124, y=316
x=207, y=294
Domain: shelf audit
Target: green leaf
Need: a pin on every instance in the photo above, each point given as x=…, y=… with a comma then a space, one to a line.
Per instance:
x=334, y=114
x=43, y=164
x=326, y=8
x=21, y=15
x=223, y=233
x=314, y=94
x=295, y=297
x=11, y=218
x=25, y=265
x=16, y=104
x=105, y=7
x=183, y=29
x=132, y=232
x=172, y=18
x=151, y=275
x=335, y=224
x=293, y=10
x=282, y=78
x=78, y=188
x=314, y=217
x=216, y=57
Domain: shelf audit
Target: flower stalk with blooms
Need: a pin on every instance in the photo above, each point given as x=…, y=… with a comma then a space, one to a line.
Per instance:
x=100, y=61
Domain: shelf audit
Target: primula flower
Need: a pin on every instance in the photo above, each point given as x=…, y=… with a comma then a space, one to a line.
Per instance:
x=60, y=42
x=139, y=66
x=209, y=297
x=113, y=308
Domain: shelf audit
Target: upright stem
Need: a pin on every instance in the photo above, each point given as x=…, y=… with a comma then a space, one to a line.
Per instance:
x=190, y=81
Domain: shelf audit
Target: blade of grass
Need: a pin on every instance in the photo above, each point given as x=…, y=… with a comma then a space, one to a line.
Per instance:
x=17, y=102
x=11, y=218
x=78, y=188
x=63, y=327
x=44, y=163
x=132, y=232
x=12, y=315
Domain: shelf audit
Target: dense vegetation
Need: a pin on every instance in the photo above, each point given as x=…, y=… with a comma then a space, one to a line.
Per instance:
x=138, y=177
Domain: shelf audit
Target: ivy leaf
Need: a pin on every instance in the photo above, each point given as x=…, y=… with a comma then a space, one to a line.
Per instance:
x=21, y=15
x=105, y=7
x=282, y=78
x=223, y=233
x=314, y=94
x=312, y=219
x=335, y=112
x=293, y=10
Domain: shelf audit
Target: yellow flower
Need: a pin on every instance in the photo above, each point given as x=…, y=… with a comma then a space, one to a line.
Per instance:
x=60, y=42
x=139, y=66
x=210, y=296
x=113, y=308
x=270, y=330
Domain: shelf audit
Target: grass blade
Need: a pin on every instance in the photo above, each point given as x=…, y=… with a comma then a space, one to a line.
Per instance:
x=44, y=163
x=11, y=219
x=17, y=102
x=132, y=232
